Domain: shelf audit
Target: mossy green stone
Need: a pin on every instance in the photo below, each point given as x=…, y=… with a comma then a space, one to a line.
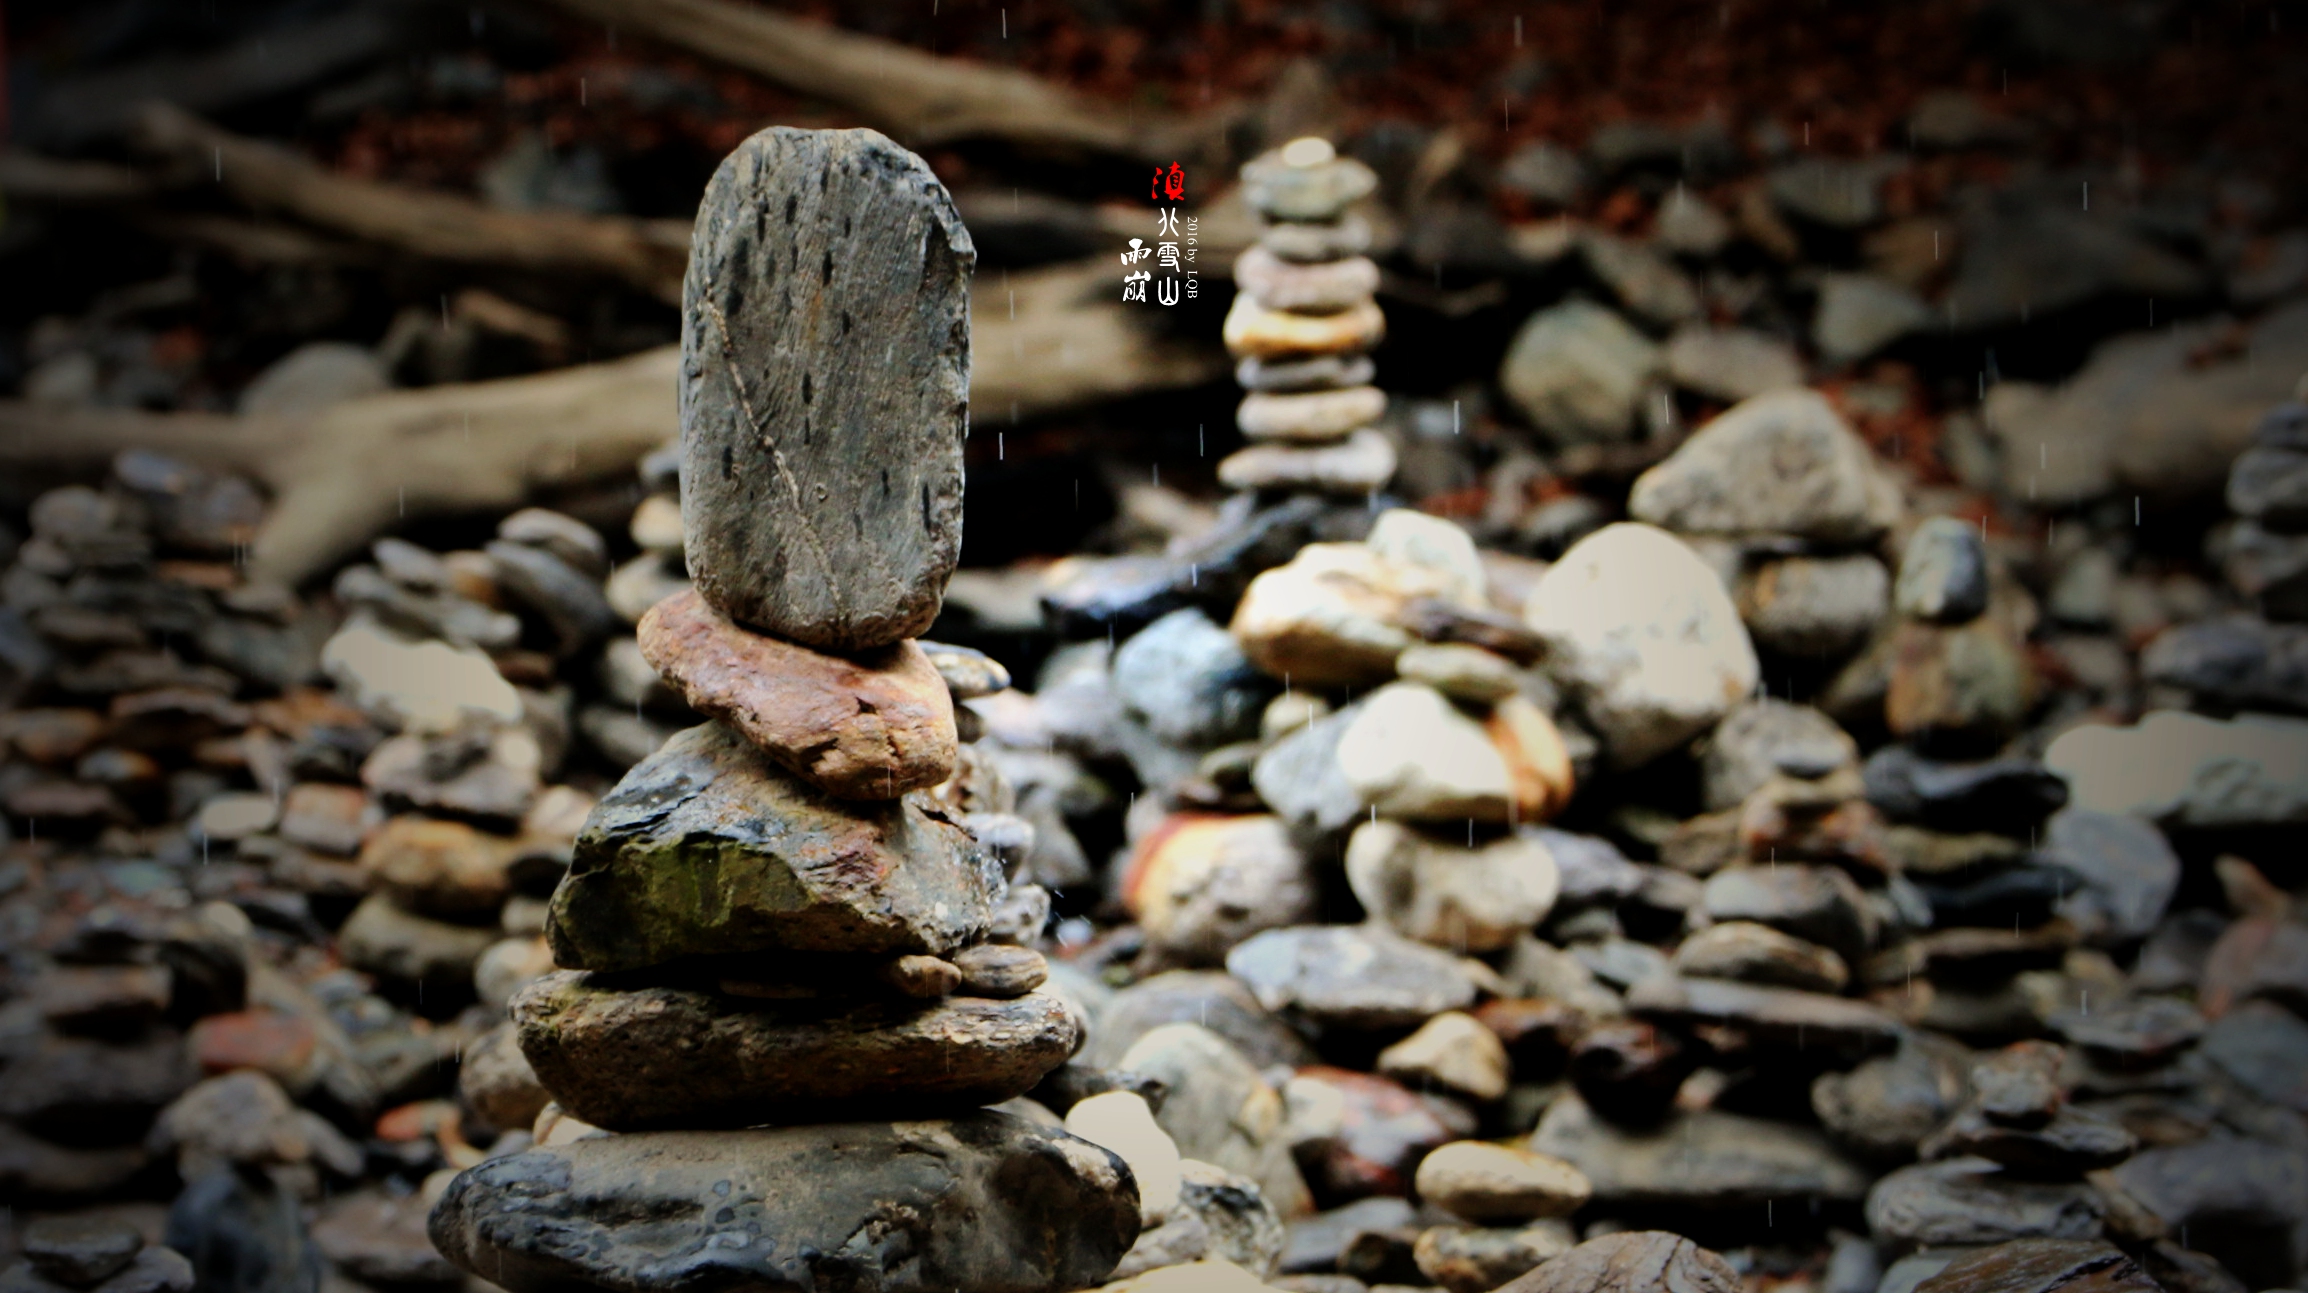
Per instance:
x=708, y=848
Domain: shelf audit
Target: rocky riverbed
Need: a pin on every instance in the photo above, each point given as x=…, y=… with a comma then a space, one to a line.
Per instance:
x=1686, y=837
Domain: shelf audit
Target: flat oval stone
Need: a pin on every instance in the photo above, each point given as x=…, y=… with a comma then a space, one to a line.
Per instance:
x=1360, y=464
x=1253, y=330
x=707, y=848
x=80, y=1251
x=1314, y=416
x=1777, y=1016
x=672, y=1057
x=1280, y=191
x=1001, y=970
x=969, y=672
x=1491, y=1183
x=1966, y=1201
x=1316, y=373
x=825, y=388
x=1319, y=287
x=1306, y=240
x=984, y=1201
x=1350, y=976
x=872, y=727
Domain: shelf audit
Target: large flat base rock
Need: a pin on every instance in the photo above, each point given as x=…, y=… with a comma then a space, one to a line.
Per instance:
x=661, y=1056
x=986, y=1202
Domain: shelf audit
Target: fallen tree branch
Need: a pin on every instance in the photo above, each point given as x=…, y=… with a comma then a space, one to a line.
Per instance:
x=102, y=104
x=30, y=177
x=1071, y=344
x=647, y=254
x=917, y=98
x=349, y=473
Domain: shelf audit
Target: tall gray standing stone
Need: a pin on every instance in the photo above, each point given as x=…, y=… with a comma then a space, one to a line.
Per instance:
x=825, y=383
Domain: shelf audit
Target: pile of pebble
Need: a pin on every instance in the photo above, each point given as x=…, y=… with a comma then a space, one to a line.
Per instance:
x=1804, y=884
x=781, y=917
x=1301, y=326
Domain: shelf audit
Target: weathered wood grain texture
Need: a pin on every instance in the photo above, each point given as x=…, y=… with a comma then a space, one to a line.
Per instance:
x=355, y=470
x=919, y=97
x=647, y=254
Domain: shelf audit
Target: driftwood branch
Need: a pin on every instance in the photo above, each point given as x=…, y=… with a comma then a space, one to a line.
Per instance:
x=648, y=254
x=28, y=176
x=349, y=473
x=917, y=98
x=1071, y=344
x=103, y=104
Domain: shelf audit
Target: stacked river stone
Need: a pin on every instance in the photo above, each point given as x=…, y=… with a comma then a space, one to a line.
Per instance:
x=1301, y=327
x=774, y=937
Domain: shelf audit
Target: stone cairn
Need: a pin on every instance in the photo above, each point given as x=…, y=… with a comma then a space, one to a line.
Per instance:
x=779, y=1009
x=1301, y=328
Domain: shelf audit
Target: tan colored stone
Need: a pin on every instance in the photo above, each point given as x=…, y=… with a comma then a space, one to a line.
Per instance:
x=1499, y=1183
x=873, y=727
x=926, y=978
x=1200, y=883
x=1252, y=329
x=1459, y=671
x=1354, y=467
x=1538, y=762
x=1332, y=616
x=1322, y=287
x=439, y=868
x=1451, y=1051
x=1434, y=888
x=1317, y=417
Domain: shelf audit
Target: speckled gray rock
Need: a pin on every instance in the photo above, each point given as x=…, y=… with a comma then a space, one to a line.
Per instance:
x=1860, y=314
x=1350, y=976
x=1190, y=681
x=1819, y=903
x=80, y=1250
x=1782, y=463
x=1942, y=573
x=2234, y=661
x=1641, y=632
x=2271, y=485
x=1883, y=1108
x=1209, y=998
x=1764, y=738
x=2129, y=872
x=1702, y=1158
x=984, y=1202
x=825, y=388
x=1321, y=192
x=1577, y=370
x=1814, y=607
x=1781, y=1017
x=1972, y=1201
x=2256, y=1191
x=968, y=672
x=1746, y=952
